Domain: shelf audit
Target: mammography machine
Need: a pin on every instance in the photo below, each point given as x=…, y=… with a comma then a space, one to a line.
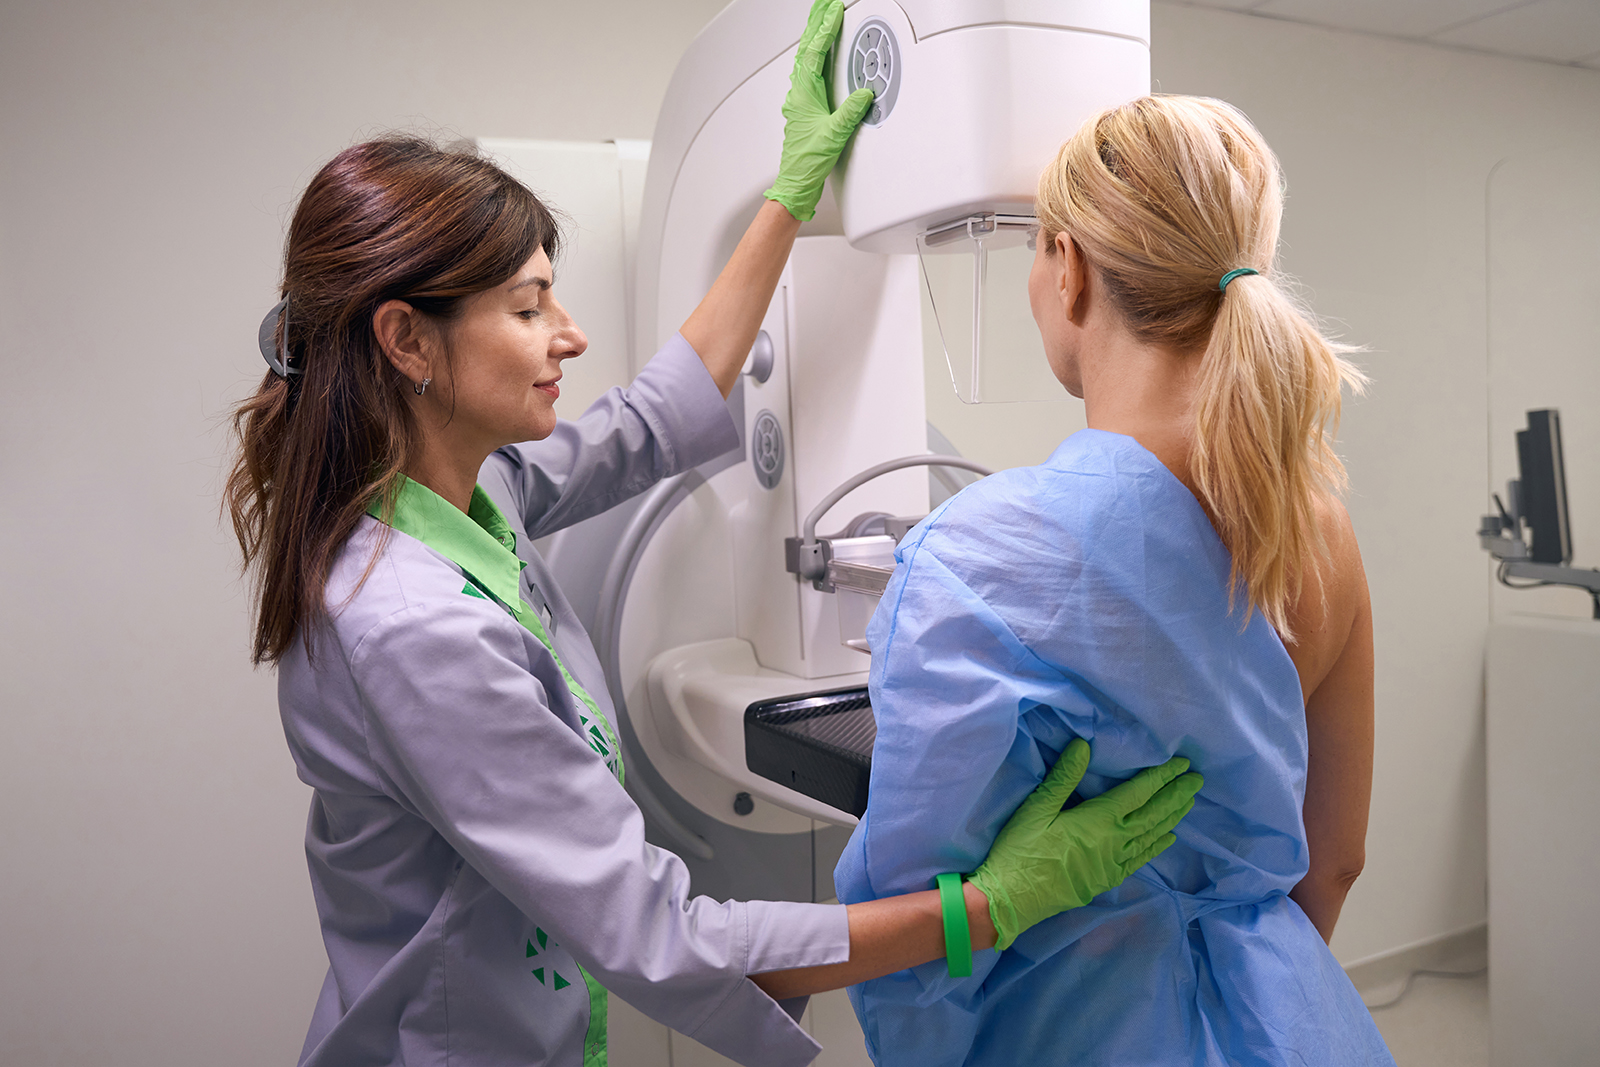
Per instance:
x=731, y=633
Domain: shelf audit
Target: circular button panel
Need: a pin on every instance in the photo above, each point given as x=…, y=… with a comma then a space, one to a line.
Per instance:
x=875, y=65
x=766, y=449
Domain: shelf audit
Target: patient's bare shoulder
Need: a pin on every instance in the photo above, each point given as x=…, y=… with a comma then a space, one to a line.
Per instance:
x=1333, y=605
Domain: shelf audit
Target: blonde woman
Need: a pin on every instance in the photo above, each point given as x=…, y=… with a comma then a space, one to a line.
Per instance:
x=1178, y=579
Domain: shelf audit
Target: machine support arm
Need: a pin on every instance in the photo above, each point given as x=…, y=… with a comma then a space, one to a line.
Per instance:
x=811, y=560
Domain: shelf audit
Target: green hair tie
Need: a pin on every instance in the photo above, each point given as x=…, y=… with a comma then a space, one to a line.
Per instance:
x=1232, y=274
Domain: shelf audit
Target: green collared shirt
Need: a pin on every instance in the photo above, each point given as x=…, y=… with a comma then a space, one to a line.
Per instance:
x=482, y=544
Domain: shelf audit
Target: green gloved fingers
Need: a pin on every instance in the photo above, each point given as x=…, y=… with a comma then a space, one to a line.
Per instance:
x=822, y=29
x=1143, y=810
x=1147, y=840
x=1160, y=846
x=1046, y=860
x=1127, y=797
x=1059, y=782
x=813, y=133
x=849, y=116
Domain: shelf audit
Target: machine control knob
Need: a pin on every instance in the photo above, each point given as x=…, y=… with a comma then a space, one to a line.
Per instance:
x=875, y=65
x=743, y=805
x=758, y=364
x=766, y=449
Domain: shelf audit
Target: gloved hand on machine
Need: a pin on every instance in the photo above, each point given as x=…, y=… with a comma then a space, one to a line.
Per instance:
x=813, y=133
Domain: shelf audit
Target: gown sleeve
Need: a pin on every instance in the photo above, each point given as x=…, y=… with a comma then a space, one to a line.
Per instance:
x=951, y=687
x=669, y=419
x=461, y=731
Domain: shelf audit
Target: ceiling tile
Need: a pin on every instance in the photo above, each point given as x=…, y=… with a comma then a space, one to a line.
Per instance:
x=1560, y=30
x=1398, y=18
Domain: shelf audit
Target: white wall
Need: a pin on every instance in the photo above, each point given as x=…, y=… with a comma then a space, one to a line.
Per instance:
x=154, y=897
x=1388, y=148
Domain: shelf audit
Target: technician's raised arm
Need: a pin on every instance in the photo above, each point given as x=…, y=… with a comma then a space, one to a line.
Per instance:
x=724, y=326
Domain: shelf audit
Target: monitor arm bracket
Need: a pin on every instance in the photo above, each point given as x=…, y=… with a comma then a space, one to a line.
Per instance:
x=1501, y=536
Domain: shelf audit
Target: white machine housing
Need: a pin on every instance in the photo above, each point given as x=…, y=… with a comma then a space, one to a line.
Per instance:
x=988, y=90
x=985, y=92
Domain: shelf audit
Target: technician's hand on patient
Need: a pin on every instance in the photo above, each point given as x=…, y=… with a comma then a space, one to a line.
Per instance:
x=1047, y=860
x=1044, y=861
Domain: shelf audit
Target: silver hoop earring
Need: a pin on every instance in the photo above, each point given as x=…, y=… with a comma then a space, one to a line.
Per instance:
x=422, y=386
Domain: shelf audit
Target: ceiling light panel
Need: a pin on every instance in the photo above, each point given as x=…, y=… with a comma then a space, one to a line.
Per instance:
x=1561, y=30
x=1225, y=5
x=1395, y=18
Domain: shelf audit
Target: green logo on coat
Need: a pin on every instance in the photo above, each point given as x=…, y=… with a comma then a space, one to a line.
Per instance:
x=538, y=972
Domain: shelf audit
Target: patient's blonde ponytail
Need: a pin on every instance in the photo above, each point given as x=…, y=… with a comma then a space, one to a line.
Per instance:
x=1164, y=196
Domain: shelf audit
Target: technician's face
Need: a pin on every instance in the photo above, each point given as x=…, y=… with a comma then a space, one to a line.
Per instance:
x=509, y=343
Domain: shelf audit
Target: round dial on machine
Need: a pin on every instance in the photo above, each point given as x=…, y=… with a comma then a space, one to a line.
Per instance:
x=766, y=449
x=875, y=65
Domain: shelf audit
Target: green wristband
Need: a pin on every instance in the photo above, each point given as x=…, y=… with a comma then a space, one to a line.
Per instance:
x=957, y=935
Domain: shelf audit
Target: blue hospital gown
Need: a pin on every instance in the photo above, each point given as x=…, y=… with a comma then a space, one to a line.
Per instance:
x=1088, y=597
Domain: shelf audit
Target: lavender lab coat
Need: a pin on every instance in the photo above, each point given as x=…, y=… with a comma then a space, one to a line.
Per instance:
x=458, y=815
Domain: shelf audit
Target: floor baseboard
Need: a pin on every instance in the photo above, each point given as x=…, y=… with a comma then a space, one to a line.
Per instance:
x=1462, y=950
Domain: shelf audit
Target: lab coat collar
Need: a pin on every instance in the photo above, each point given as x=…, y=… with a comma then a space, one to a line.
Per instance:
x=480, y=541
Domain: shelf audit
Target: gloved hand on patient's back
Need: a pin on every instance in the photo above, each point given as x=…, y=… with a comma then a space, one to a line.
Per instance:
x=1047, y=860
x=813, y=135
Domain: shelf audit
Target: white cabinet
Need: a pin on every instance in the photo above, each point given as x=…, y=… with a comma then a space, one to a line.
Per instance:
x=1544, y=842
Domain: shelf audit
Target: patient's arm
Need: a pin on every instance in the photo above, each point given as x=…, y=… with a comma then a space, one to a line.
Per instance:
x=1334, y=657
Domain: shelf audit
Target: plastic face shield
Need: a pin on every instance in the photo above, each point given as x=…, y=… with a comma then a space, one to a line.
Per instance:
x=975, y=273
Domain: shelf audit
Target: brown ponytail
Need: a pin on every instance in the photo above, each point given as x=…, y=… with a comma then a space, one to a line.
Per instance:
x=398, y=218
x=1164, y=196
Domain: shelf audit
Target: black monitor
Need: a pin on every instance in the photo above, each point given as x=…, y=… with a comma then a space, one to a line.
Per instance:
x=1542, y=494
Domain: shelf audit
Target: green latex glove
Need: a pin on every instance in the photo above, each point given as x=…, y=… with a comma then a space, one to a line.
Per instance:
x=1047, y=860
x=813, y=134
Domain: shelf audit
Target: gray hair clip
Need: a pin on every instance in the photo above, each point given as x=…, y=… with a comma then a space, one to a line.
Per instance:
x=277, y=357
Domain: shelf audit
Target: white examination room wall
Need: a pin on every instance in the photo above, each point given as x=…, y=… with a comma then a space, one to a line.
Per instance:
x=153, y=891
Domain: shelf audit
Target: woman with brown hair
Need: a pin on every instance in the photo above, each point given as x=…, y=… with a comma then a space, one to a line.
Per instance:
x=1177, y=579
x=481, y=875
